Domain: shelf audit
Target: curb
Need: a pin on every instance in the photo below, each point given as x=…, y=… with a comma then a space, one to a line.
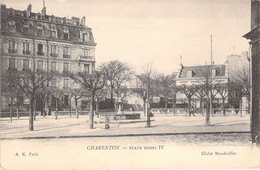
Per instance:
x=124, y=135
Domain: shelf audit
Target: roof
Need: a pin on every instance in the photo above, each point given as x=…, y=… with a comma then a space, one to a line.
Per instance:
x=198, y=71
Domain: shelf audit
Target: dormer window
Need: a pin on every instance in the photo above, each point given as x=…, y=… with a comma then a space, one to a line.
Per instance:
x=11, y=26
x=66, y=33
x=189, y=74
x=85, y=37
x=214, y=73
x=25, y=14
x=39, y=16
x=53, y=32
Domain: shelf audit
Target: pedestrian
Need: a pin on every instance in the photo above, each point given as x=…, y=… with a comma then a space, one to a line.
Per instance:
x=192, y=111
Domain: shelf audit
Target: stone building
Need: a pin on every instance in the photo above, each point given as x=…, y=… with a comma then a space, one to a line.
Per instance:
x=38, y=41
x=254, y=37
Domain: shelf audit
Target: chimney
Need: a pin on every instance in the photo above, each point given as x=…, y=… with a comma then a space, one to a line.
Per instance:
x=43, y=9
x=83, y=20
x=29, y=8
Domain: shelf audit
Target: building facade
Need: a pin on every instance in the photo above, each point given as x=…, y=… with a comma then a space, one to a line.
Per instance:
x=196, y=75
x=254, y=37
x=38, y=41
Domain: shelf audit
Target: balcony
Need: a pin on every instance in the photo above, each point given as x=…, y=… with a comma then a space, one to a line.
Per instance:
x=26, y=69
x=40, y=53
x=54, y=71
x=12, y=68
x=26, y=52
x=66, y=72
x=66, y=56
x=12, y=50
x=86, y=57
x=54, y=55
x=40, y=70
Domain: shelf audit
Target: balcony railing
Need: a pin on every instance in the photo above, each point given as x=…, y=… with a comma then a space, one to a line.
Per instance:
x=66, y=72
x=26, y=52
x=54, y=71
x=26, y=69
x=40, y=70
x=40, y=53
x=12, y=50
x=66, y=56
x=86, y=57
x=54, y=55
x=12, y=68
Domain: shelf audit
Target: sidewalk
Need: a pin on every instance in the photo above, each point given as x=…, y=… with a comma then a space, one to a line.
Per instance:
x=68, y=127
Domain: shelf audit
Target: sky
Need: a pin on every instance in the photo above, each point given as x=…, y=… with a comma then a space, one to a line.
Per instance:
x=157, y=32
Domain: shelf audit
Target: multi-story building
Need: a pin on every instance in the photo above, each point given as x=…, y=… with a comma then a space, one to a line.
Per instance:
x=38, y=41
x=254, y=36
x=197, y=75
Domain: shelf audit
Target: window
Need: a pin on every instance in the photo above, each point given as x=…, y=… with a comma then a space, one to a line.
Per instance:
x=214, y=73
x=26, y=48
x=85, y=37
x=66, y=52
x=11, y=26
x=86, y=68
x=53, y=51
x=12, y=47
x=66, y=35
x=53, y=66
x=53, y=31
x=40, y=65
x=66, y=67
x=66, y=82
x=53, y=82
x=26, y=63
x=39, y=32
x=189, y=74
x=26, y=30
x=86, y=52
x=53, y=34
x=40, y=49
x=11, y=63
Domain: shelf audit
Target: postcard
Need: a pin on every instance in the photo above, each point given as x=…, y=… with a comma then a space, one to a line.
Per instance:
x=119, y=84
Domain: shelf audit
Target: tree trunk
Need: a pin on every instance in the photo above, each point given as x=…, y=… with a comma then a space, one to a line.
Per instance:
x=70, y=107
x=240, y=106
x=207, y=123
x=97, y=107
x=144, y=106
x=91, y=113
x=56, y=112
x=31, y=115
x=173, y=106
x=201, y=106
x=34, y=110
x=17, y=112
x=148, y=124
x=189, y=105
x=76, y=105
x=223, y=106
x=11, y=111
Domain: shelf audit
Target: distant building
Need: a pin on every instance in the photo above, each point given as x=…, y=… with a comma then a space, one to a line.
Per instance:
x=254, y=37
x=196, y=75
x=38, y=41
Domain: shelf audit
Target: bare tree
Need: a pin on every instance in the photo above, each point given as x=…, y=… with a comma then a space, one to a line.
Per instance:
x=189, y=91
x=117, y=73
x=31, y=83
x=201, y=93
x=92, y=83
x=223, y=90
x=57, y=95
